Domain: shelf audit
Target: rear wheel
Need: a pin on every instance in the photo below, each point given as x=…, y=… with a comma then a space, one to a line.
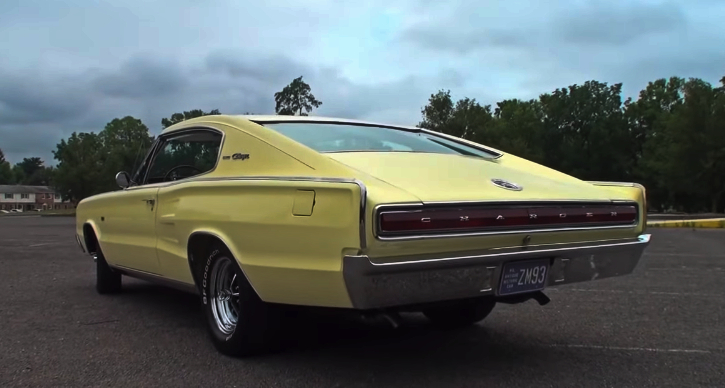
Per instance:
x=238, y=321
x=108, y=281
x=460, y=314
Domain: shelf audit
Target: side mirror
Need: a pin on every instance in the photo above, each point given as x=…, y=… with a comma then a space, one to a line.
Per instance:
x=123, y=180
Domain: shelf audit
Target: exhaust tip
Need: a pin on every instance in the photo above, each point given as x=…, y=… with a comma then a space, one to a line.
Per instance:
x=541, y=298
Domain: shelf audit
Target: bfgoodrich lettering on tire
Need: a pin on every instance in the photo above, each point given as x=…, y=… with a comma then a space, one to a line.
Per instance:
x=239, y=323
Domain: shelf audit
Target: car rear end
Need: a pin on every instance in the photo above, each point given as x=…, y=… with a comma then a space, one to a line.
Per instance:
x=420, y=253
x=446, y=219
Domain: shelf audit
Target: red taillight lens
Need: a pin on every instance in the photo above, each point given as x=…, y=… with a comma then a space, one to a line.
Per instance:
x=452, y=219
x=482, y=218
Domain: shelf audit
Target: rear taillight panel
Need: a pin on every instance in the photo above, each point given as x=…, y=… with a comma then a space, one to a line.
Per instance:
x=480, y=218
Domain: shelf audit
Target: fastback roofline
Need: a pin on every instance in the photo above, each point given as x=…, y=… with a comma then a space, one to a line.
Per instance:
x=332, y=120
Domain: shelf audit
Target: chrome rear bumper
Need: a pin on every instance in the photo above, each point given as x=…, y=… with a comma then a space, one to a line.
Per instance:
x=415, y=280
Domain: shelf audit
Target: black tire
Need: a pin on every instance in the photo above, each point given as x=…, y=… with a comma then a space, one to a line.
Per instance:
x=255, y=331
x=108, y=281
x=460, y=314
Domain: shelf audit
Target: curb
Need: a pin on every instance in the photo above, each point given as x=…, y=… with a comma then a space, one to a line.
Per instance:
x=702, y=223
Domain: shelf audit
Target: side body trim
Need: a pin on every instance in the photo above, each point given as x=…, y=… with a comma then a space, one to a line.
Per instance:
x=361, y=185
x=156, y=279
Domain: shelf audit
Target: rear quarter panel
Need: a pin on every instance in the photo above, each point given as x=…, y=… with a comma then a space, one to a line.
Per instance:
x=287, y=258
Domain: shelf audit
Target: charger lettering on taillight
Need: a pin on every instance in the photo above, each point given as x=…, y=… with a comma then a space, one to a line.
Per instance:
x=497, y=218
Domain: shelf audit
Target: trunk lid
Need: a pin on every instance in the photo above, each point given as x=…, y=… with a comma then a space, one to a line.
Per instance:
x=444, y=177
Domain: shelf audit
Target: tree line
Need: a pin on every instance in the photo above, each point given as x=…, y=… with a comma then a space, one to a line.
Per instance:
x=670, y=139
x=29, y=171
x=87, y=162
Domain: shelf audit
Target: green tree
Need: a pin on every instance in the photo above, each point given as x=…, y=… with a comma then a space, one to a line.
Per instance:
x=80, y=166
x=517, y=128
x=470, y=120
x=466, y=118
x=438, y=112
x=29, y=166
x=186, y=115
x=688, y=151
x=41, y=177
x=6, y=172
x=647, y=118
x=125, y=141
x=88, y=162
x=585, y=133
x=295, y=98
x=18, y=175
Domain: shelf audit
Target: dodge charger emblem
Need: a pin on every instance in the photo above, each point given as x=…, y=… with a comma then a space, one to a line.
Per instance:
x=506, y=184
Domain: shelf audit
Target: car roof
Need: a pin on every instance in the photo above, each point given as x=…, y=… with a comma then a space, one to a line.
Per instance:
x=262, y=119
x=318, y=119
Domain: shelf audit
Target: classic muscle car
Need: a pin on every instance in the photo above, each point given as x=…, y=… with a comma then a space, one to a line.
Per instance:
x=256, y=212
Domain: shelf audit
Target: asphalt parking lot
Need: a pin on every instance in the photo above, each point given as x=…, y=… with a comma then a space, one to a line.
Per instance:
x=663, y=326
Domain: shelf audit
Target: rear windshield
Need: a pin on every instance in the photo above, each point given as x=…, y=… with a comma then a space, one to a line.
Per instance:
x=330, y=137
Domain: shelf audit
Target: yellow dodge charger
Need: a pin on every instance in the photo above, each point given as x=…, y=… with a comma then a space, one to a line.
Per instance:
x=254, y=212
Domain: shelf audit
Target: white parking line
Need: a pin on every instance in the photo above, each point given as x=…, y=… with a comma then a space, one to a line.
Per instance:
x=49, y=243
x=670, y=254
x=620, y=348
x=642, y=292
x=685, y=269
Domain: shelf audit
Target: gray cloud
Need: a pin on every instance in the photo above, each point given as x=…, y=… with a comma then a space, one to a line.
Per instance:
x=27, y=98
x=234, y=82
x=77, y=64
x=593, y=23
x=465, y=40
x=142, y=78
x=601, y=23
x=542, y=45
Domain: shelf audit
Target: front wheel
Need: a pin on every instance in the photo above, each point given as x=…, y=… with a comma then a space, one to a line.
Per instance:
x=238, y=321
x=460, y=314
x=108, y=281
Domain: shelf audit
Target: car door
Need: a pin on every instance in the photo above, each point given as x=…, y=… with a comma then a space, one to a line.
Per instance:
x=129, y=229
x=128, y=223
x=134, y=226
x=189, y=153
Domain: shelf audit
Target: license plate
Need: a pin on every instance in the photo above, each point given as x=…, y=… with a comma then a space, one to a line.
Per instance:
x=524, y=276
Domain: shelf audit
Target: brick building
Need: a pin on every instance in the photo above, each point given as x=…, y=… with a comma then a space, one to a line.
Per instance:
x=31, y=198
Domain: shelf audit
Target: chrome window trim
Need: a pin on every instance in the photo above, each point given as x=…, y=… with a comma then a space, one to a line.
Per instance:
x=171, y=134
x=620, y=184
x=146, y=158
x=378, y=209
x=480, y=147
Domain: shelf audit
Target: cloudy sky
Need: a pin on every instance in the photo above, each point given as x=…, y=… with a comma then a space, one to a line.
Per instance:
x=74, y=65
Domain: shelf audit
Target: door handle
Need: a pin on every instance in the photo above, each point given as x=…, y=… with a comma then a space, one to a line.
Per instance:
x=150, y=202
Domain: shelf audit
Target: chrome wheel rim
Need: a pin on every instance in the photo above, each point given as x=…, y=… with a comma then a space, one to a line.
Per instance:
x=224, y=290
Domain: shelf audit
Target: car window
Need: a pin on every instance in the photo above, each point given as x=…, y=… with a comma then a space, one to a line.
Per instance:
x=333, y=137
x=184, y=156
